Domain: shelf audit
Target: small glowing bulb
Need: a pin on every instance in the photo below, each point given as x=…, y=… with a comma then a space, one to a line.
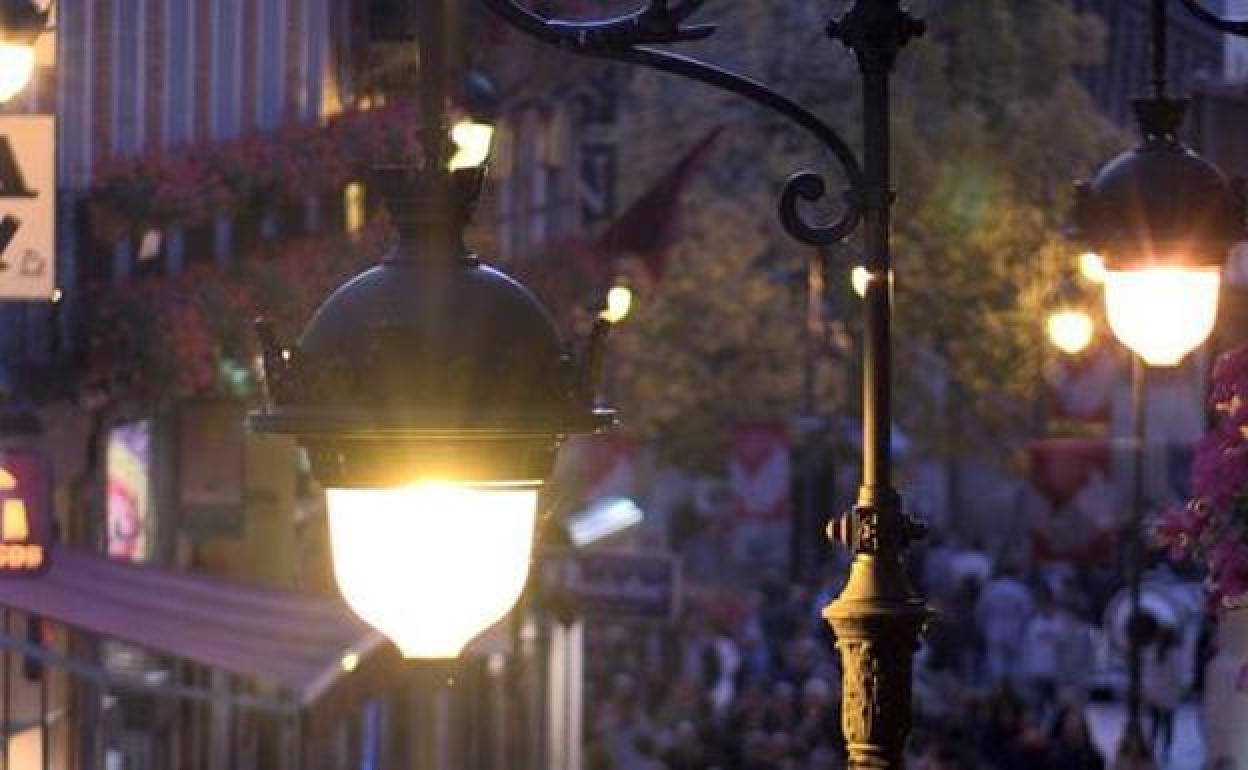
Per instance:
x=860, y=276
x=1070, y=331
x=472, y=144
x=1092, y=267
x=619, y=302
x=1162, y=313
x=350, y=662
x=858, y=279
x=17, y=64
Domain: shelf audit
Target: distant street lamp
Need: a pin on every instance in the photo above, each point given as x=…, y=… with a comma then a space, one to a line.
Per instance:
x=21, y=23
x=1070, y=330
x=1069, y=326
x=618, y=304
x=1163, y=219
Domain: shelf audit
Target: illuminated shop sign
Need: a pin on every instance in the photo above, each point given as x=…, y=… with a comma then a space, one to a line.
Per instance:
x=25, y=512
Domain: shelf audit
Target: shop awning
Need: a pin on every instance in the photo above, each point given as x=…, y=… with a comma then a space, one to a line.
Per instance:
x=279, y=636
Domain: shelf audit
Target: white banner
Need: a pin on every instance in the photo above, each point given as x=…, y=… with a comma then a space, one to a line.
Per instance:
x=27, y=206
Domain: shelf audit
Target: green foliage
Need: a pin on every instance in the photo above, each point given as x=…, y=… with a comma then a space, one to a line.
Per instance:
x=985, y=193
x=990, y=129
x=715, y=343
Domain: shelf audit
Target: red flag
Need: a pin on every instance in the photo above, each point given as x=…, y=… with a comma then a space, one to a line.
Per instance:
x=647, y=227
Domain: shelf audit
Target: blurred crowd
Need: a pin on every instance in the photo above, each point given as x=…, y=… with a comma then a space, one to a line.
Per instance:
x=750, y=680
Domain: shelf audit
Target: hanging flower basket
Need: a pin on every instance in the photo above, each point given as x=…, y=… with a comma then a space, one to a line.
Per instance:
x=134, y=194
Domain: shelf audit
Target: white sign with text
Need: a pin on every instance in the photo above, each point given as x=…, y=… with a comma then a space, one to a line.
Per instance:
x=27, y=207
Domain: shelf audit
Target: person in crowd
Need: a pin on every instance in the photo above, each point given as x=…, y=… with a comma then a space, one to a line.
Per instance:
x=1162, y=685
x=1001, y=613
x=1072, y=743
x=1030, y=749
x=1076, y=653
x=1041, y=645
x=749, y=679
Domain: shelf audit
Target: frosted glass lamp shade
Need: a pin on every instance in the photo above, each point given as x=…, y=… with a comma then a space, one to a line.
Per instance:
x=432, y=565
x=1162, y=313
x=1070, y=330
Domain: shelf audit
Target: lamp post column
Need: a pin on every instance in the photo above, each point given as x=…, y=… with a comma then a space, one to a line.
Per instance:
x=878, y=616
x=1133, y=750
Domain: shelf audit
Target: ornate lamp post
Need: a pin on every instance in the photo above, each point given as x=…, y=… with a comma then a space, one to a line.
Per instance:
x=1163, y=220
x=430, y=393
x=878, y=617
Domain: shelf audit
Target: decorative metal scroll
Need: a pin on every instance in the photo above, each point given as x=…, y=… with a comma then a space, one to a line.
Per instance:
x=628, y=38
x=1237, y=27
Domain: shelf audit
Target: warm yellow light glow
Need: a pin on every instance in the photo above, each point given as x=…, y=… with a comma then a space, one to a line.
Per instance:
x=17, y=64
x=1092, y=267
x=1070, y=330
x=353, y=207
x=859, y=277
x=350, y=662
x=432, y=564
x=619, y=302
x=472, y=144
x=1162, y=313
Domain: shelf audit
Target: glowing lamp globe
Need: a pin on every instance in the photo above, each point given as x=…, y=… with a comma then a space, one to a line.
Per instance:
x=1070, y=330
x=1163, y=220
x=430, y=394
x=1162, y=313
x=453, y=558
x=618, y=304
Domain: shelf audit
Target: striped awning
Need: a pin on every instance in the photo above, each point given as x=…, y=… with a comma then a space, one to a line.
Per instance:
x=278, y=636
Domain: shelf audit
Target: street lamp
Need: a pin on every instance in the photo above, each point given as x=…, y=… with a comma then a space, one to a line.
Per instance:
x=617, y=305
x=430, y=393
x=878, y=616
x=21, y=22
x=1163, y=219
x=1069, y=326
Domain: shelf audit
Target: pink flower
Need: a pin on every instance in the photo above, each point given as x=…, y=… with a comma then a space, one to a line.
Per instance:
x=1180, y=529
x=1230, y=377
x=1220, y=466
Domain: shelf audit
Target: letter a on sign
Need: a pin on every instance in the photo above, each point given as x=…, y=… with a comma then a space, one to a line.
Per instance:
x=25, y=512
x=27, y=207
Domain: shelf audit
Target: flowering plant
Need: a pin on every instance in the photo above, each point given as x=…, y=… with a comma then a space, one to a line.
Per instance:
x=1213, y=527
x=158, y=339
x=133, y=194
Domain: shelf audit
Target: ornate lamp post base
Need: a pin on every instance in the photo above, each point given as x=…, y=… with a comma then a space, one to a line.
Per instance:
x=877, y=620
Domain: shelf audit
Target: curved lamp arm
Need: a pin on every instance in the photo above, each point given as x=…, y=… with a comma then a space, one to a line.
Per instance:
x=627, y=38
x=1229, y=26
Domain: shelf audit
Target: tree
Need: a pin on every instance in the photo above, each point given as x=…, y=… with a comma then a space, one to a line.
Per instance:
x=986, y=156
